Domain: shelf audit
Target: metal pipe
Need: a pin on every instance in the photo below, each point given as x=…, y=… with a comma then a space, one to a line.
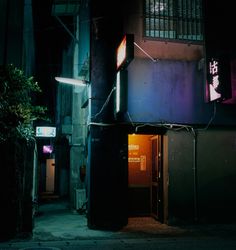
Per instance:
x=195, y=181
x=154, y=60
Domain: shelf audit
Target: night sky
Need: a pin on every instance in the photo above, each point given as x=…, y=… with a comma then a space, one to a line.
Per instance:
x=220, y=20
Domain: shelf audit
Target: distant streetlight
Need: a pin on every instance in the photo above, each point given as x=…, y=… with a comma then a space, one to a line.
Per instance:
x=72, y=81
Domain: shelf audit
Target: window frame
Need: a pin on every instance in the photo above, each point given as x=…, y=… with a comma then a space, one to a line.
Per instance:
x=176, y=20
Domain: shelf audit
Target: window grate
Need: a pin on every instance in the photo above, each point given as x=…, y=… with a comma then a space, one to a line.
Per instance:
x=173, y=19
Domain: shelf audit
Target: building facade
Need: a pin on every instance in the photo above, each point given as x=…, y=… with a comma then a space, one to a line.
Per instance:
x=183, y=175
x=151, y=140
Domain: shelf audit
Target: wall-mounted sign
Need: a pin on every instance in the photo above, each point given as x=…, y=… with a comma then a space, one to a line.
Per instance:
x=133, y=159
x=45, y=131
x=214, y=81
x=125, y=51
x=218, y=79
x=133, y=147
x=47, y=149
x=121, y=92
x=143, y=163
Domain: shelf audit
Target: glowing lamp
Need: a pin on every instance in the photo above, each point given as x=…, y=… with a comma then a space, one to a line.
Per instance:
x=72, y=81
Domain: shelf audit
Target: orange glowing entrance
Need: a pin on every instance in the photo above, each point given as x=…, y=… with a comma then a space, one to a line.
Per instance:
x=145, y=176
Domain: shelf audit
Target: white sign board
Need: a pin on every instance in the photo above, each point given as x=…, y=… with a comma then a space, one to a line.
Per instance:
x=45, y=131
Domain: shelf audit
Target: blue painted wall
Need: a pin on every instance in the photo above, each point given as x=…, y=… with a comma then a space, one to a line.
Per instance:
x=172, y=92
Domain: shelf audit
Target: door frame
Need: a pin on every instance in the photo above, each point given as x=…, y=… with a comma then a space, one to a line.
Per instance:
x=162, y=179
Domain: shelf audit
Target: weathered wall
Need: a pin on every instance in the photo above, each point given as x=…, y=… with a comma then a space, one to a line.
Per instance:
x=107, y=155
x=107, y=178
x=216, y=163
x=181, y=182
x=16, y=184
x=172, y=92
x=212, y=197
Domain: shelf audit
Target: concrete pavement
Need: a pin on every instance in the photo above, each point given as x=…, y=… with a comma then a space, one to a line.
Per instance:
x=59, y=227
x=56, y=221
x=161, y=243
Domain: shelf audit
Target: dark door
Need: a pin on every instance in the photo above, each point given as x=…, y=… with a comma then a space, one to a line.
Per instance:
x=157, y=179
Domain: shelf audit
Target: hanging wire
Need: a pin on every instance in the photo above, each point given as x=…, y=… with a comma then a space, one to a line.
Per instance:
x=130, y=118
x=105, y=104
x=211, y=119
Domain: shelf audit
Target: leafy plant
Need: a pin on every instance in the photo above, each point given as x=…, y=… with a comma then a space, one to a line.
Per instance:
x=17, y=111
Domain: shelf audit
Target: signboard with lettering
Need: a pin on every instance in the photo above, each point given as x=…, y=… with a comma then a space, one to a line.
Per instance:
x=214, y=81
x=45, y=131
x=218, y=79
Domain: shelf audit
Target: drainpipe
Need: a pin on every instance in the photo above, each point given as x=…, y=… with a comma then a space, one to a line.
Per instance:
x=195, y=181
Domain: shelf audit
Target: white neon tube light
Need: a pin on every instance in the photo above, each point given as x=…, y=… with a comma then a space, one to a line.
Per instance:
x=71, y=81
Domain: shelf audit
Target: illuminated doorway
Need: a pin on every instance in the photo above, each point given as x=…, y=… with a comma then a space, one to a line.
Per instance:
x=50, y=175
x=145, y=176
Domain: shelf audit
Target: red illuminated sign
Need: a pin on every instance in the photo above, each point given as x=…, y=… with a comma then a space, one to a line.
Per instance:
x=125, y=51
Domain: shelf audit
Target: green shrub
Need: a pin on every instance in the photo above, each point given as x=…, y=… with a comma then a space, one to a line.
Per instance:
x=17, y=111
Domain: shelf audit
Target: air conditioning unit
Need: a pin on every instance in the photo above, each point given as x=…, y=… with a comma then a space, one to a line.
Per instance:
x=80, y=199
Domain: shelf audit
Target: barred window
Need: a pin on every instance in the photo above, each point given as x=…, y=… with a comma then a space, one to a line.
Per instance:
x=173, y=19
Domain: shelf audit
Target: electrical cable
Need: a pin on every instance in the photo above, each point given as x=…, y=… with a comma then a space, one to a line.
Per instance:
x=105, y=103
x=211, y=119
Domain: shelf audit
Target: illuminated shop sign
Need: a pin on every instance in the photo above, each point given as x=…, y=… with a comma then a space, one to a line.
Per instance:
x=47, y=149
x=214, y=81
x=121, y=92
x=45, y=131
x=218, y=79
x=125, y=51
x=124, y=55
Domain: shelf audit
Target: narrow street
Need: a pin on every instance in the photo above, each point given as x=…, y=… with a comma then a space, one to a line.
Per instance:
x=193, y=243
x=59, y=227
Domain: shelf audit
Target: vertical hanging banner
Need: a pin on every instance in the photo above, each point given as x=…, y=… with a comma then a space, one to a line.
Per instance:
x=218, y=79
